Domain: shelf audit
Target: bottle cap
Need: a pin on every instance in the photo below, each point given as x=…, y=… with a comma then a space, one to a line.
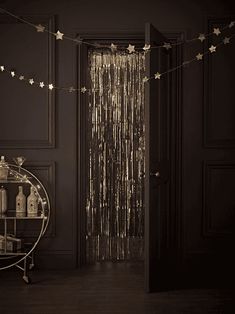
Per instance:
x=2, y=161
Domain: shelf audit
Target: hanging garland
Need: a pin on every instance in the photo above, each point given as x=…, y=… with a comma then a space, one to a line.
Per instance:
x=198, y=57
x=83, y=90
x=131, y=49
x=40, y=84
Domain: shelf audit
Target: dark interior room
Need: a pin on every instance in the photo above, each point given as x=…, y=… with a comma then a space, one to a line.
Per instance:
x=117, y=157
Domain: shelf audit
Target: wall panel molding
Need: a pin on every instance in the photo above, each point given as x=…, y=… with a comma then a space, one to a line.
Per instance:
x=218, y=198
x=47, y=140
x=218, y=125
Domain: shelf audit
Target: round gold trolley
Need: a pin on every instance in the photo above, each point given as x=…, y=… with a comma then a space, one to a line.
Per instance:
x=21, y=234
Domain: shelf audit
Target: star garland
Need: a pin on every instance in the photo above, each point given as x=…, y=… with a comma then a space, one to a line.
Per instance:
x=198, y=57
x=39, y=84
x=157, y=76
x=131, y=48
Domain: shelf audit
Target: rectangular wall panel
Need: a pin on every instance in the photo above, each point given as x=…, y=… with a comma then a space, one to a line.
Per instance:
x=219, y=102
x=27, y=111
x=219, y=199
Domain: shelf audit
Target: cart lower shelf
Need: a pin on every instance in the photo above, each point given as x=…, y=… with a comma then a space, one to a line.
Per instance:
x=24, y=262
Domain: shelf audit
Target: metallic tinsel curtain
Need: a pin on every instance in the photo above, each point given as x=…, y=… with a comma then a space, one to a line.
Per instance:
x=115, y=185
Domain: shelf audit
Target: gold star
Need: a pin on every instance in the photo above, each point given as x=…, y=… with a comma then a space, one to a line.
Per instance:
x=50, y=86
x=13, y=73
x=41, y=84
x=2, y=68
x=226, y=40
x=113, y=47
x=199, y=56
x=146, y=47
x=216, y=31
x=83, y=89
x=131, y=48
x=231, y=24
x=21, y=78
x=40, y=28
x=145, y=79
x=71, y=89
x=212, y=49
x=31, y=81
x=59, y=35
x=167, y=46
x=157, y=76
x=201, y=37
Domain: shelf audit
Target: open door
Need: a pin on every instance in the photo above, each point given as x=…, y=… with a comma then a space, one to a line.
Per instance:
x=157, y=162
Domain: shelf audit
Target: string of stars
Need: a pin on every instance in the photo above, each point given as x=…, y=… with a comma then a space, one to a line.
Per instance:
x=39, y=84
x=157, y=76
x=198, y=57
x=131, y=48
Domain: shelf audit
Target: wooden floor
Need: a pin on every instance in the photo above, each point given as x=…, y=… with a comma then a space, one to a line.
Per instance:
x=114, y=288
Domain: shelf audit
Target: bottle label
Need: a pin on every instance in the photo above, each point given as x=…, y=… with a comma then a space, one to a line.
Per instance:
x=32, y=208
x=20, y=205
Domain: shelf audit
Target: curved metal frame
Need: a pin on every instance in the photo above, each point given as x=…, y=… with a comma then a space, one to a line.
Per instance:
x=45, y=218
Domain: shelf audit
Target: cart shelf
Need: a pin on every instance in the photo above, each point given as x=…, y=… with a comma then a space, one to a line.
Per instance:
x=10, y=222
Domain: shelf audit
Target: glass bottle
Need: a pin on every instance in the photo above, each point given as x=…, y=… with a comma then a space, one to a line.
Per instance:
x=3, y=200
x=20, y=203
x=3, y=169
x=32, y=203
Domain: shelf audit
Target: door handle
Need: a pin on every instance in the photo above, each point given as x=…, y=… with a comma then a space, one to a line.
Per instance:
x=155, y=174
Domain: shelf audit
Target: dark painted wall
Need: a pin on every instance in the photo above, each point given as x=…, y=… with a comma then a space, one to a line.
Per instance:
x=43, y=126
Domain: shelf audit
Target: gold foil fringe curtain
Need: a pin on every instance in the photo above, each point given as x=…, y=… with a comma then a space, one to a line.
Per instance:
x=115, y=185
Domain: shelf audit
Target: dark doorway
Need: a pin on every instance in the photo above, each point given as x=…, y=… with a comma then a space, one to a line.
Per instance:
x=169, y=226
x=115, y=151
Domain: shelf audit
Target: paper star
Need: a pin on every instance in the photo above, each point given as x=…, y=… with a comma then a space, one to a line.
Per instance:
x=199, y=56
x=212, y=49
x=226, y=40
x=21, y=78
x=41, y=84
x=13, y=73
x=145, y=79
x=83, y=89
x=71, y=89
x=201, y=37
x=50, y=86
x=157, y=76
x=231, y=24
x=131, y=48
x=40, y=28
x=167, y=46
x=216, y=31
x=2, y=68
x=59, y=35
x=113, y=47
x=146, y=47
x=31, y=81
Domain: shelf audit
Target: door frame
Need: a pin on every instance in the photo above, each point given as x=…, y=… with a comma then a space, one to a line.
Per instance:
x=175, y=213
